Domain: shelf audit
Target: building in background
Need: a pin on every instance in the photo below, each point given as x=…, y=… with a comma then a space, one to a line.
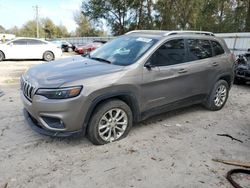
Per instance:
x=5, y=37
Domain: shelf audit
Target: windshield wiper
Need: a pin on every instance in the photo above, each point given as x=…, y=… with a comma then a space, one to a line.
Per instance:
x=100, y=59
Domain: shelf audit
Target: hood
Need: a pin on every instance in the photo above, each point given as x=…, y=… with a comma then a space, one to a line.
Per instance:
x=56, y=73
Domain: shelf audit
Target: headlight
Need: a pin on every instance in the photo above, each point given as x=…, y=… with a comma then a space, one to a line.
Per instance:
x=60, y=93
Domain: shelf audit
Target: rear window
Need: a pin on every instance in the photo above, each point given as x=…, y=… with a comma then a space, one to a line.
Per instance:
x=218, y=50
x=199, y=49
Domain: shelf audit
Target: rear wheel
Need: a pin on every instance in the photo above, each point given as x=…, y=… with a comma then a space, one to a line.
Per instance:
x=2, y=56
x=218, y=96
x=111, y=121
x=48, y=56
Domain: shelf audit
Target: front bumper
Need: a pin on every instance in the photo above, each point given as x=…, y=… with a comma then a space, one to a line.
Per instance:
x=36, y=127
x=243, y=74
x=69, y=112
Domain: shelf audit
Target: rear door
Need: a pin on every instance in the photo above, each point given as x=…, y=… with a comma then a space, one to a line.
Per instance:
x=202, y=64
x=36, y=48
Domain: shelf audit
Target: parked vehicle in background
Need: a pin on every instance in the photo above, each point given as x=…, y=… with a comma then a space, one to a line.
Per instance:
x=84, y=49
x=64, y=45
x=134, y=76
x=29, y=48
x=242, y=68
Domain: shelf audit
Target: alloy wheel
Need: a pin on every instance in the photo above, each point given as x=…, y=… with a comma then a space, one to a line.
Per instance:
x=220, y=96
x=113, y=124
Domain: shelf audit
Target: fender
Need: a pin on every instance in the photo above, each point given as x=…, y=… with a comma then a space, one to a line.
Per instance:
x=133, y=105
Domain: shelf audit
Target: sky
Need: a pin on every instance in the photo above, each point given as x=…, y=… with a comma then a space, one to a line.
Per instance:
x=18, y=12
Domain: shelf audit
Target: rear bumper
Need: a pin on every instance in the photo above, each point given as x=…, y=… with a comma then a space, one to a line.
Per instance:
x=36, y=127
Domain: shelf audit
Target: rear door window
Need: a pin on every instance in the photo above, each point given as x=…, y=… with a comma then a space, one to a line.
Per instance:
x=170, y=53
x=218, y=50
x=199, y=49
x=20, y=42
x=34, y=42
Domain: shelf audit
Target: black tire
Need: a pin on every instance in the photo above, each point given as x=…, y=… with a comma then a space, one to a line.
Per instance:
x=98, y=114
x=239, y=81
x=48, y=56
x=70, y=49
x=2, y=56
x=210, y=103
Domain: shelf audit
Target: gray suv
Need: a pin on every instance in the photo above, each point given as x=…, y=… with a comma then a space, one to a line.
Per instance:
x=130, y=78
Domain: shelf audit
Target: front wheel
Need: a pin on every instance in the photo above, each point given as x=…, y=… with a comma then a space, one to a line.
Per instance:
x=218, y=96
x=111, y=121
x=48, y=56
x=70, y=49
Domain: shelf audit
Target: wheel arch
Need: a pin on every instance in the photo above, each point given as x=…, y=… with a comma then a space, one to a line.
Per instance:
x=3, y=54
x=129, y=98
x=227, y=77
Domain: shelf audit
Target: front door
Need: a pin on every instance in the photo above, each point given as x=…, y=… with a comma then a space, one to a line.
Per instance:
x=17, y=49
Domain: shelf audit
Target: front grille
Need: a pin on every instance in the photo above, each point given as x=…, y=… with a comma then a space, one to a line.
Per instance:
x=27, y=89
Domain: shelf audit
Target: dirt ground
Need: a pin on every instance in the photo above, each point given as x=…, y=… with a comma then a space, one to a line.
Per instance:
x=174, y=149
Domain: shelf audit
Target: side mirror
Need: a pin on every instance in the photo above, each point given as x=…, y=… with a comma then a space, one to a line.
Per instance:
x=11, y=44
x=149, y=65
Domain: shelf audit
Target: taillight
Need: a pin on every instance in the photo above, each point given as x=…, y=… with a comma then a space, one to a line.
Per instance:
x=233, y=57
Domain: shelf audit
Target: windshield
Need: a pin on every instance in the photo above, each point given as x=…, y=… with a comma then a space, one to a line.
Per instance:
x=124, y=50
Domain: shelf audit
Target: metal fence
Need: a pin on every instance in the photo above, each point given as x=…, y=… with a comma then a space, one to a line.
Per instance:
x=85, y=40
x=238, y=43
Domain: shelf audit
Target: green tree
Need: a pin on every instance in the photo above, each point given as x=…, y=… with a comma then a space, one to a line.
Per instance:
x=61, y=31
x=164, y=15
x=117, y=13
x=84, y=26
x=247, y=28
x=49, y=28
x=28, y=29
x=14, y=30
x=2, y=29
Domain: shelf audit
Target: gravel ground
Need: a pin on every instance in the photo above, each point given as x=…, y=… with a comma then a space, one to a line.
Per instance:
x=174, y=149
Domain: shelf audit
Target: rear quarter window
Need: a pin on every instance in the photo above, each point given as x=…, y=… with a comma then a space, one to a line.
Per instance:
x=217, y=48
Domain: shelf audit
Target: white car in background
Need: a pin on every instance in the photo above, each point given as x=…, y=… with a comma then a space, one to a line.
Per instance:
x=29, y=48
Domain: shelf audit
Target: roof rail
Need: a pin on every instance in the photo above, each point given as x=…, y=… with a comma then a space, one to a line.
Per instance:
x=148, y=31
x=189, y=32
x=167, y=33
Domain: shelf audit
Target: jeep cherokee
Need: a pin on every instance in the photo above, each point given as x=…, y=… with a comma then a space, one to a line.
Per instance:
x=128, y=79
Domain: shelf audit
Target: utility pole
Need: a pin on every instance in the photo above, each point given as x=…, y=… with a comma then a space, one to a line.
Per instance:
x=37, y=20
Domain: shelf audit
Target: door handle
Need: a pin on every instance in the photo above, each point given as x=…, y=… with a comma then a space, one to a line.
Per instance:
x=182, y=71
x=215, y=64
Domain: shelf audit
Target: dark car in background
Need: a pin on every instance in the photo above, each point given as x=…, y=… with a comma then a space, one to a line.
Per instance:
x=84, y=49
x=242, y=68
x=65, y=45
